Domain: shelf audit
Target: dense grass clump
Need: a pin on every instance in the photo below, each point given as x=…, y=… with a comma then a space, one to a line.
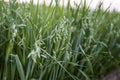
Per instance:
x=55, y=43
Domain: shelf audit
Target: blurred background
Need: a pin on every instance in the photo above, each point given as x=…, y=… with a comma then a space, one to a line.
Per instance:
x=114, y=4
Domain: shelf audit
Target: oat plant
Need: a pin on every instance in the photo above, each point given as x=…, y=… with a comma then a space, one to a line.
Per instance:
x=39, y=42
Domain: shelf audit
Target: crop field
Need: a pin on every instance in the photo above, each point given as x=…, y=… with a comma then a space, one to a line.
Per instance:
x=39, y=42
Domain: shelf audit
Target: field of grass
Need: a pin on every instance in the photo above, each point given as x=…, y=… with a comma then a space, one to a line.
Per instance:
x=39, y=42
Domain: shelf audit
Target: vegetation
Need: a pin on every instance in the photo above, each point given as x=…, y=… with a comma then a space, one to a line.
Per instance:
x=39, y=42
